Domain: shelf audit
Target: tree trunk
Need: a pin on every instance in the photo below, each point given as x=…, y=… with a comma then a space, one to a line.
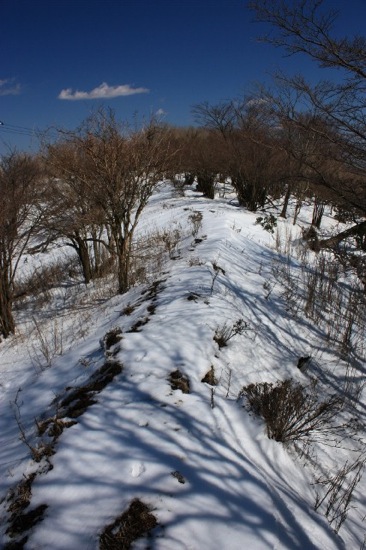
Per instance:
x=206, y=185
x=82, y=250
x=124, y=263
x=97, y=252
x=251, y=194
x=285, y=203
x=358, y=231
x=318, y=212
x=7, y=323
x=297, y=210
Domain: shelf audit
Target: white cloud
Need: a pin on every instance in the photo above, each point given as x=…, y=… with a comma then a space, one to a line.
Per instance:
x=102, y=92
x=7, y=87
x=160, y=112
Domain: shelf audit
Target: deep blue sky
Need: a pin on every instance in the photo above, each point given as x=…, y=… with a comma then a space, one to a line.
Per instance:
x=172, y=53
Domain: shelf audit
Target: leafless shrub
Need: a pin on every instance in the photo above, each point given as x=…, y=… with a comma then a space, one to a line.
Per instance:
x=48, y=342
x=291, y=412
x=328, y=291
x=196, y=220
x=100, y=291
x=37, y=451
x=227, y=331
x=179, y=184
x=171, y=240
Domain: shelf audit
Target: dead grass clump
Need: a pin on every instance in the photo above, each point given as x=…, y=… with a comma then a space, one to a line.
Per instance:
x=77, y=402
x=21, y=495
x=133, y=524
x=178, y=381
x=154, y=289
x=210, y=378
x=54, y=426
x=150, y=253
x=151, y=309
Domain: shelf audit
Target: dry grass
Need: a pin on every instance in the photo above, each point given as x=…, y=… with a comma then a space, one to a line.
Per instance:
x=133, y=524
x=338, y=490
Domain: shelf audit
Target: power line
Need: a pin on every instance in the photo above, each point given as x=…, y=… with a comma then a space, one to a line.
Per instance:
x=15, y=129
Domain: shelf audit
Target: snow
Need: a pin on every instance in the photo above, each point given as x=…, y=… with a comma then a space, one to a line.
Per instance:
x=202, y=463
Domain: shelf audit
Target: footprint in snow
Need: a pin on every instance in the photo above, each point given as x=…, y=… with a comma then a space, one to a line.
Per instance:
x=137, y=469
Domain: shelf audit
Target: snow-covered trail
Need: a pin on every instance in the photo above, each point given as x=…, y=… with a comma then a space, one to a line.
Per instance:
x=204, y=466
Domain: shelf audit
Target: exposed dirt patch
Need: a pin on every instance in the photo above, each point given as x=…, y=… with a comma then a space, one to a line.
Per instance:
x=133, y=524
x=129, y=309
x=25, y=521
x=20, y=522
x=152, y=292
x=111, y=338
x=210, y=378
x=16, y=545
x=140, y=323
x=151, y=309
x=193, y=297
x=149, y=294
x=178, y=476
x=80, y=399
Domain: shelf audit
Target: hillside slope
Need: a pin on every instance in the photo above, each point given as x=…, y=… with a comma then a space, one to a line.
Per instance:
x=153, y=412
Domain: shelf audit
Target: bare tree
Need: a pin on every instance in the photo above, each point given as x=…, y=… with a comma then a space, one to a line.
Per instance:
x=250, y=151
x=72, y=213
x=306, y=27
x=19, y=216
x=119, y=171
x=207, y=160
